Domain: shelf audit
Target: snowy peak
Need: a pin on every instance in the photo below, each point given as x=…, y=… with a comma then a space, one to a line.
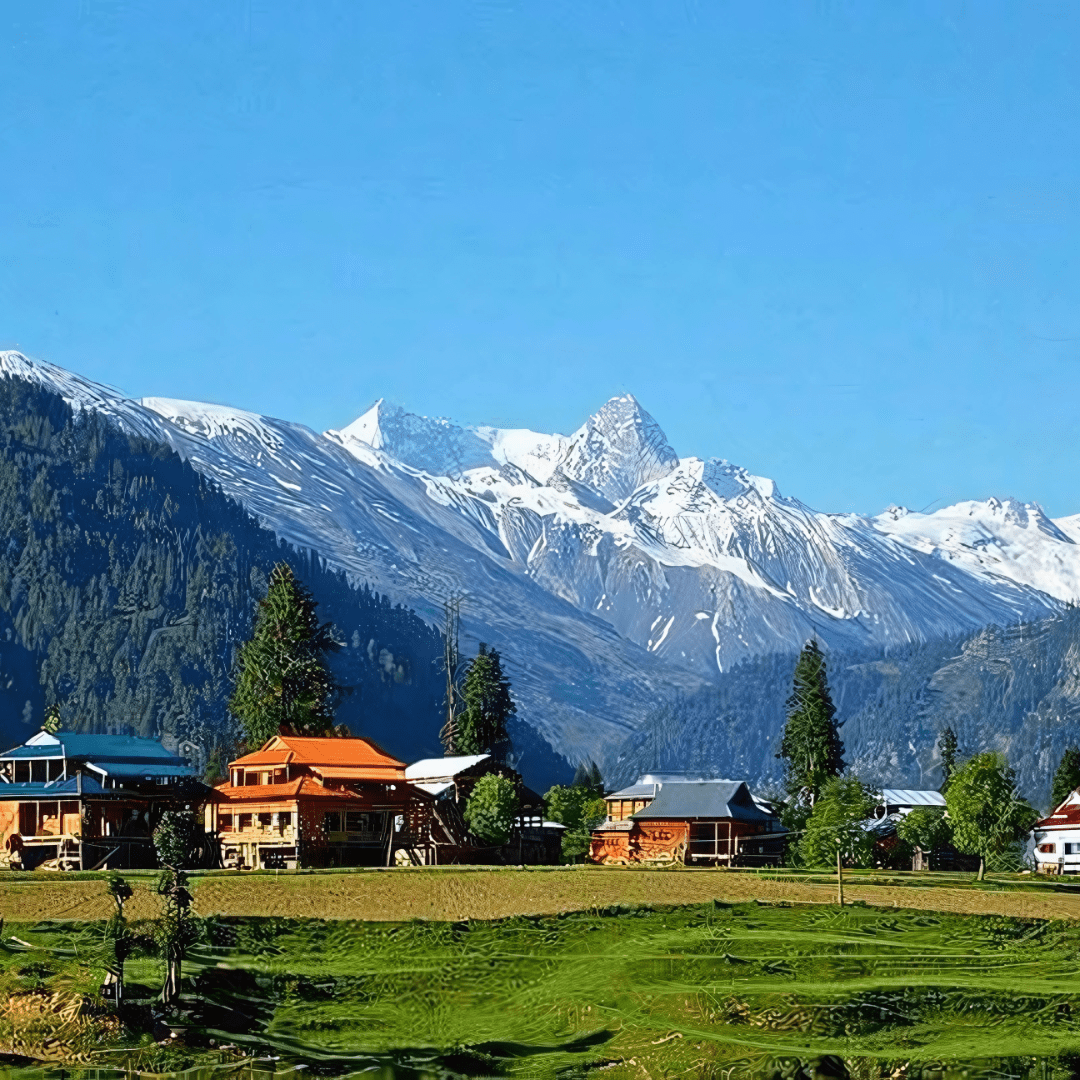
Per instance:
x=215, y=421
x=618, y=449
x=432, y=444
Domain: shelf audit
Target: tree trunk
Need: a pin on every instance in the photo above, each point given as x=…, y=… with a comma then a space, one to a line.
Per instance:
x=982, y=867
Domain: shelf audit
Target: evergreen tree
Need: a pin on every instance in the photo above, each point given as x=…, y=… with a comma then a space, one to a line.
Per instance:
x=51, y=723
x=282, y=679
x=481, y=726
x=1067, y=777
x=811, y=744
x=947, y=749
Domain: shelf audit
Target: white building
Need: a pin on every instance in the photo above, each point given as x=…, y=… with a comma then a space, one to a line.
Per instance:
x=1057, y=838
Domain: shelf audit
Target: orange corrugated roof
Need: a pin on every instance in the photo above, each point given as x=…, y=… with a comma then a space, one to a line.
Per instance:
x=303, y=787
x=359, y=772
x=308, y=750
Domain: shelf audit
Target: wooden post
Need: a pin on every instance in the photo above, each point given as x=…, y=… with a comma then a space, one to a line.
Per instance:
x=839, y=879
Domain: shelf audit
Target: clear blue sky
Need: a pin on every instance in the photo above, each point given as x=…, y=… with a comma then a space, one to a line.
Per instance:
x=836, y=243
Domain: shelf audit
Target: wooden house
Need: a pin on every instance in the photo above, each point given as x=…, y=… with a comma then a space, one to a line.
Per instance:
x=304, y=801
x=702, y=822
x=72, y=801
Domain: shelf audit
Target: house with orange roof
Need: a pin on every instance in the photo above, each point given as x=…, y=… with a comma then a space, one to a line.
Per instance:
x=326, y=801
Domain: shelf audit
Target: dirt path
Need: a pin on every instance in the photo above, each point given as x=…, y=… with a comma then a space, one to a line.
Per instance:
x=485, y=894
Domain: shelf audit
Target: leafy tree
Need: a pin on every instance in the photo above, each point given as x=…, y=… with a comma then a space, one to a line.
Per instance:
x=1067, y=777
x=926, y=828
x=282, y=680
x=989, y=818
x=491, y=809
x=176, y=837
x=811, y=743
x=481, y=726
x=215, y=767
x=838, y=822
x=177, y=929
x=580, y=809
x=947, y=748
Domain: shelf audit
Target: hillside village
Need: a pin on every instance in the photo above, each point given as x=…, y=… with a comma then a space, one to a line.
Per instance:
x=303, y=793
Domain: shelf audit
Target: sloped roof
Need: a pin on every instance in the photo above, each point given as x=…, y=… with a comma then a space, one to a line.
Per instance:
x=310, y=750
x=443, y=768
x=135, y=770
x=54, y=789
x=1065, y=817
x=687, y=800
x=638, y=791
x=77, y=744
x=910, y=797
x=302, y=786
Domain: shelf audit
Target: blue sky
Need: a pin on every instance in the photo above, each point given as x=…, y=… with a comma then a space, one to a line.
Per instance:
x=835, y=243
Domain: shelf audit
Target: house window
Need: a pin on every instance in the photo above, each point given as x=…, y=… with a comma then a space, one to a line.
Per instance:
x=1047, y=849
x=22, y=772
x=245, y=822
x=225, y=822
x=56, y=769
x=1072, y=849
x=279, y=776
x=285, y=819
x=265, y=821
x=332, y=822
x=357, y=821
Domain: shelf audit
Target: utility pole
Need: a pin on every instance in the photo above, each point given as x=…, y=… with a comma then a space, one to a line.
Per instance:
x=451, y=662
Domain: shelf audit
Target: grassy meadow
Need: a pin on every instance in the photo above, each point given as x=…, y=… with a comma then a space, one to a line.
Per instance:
x=713, y=990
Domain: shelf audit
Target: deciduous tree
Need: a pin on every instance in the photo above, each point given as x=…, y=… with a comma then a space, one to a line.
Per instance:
x=491, y=809
x=989, y=818
x=838, y=823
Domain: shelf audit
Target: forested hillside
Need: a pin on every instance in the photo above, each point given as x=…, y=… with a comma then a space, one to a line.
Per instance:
x=1015, y=689
x=127, y=581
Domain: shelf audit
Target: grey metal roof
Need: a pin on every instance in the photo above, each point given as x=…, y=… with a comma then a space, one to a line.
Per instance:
x=635, y=791
x=685, y=800
x=910, y=797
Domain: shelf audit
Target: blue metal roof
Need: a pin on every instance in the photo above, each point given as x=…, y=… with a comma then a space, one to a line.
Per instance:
x=135, y=769
x=55, y=789
x=73, y=744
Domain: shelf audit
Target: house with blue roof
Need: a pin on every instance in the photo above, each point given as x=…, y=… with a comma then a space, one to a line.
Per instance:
x=71, y=800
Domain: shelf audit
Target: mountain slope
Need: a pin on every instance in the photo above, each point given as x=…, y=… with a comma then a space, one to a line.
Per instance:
x=614, y=576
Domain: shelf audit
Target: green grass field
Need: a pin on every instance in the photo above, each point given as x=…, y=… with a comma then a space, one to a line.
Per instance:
x=710, y=990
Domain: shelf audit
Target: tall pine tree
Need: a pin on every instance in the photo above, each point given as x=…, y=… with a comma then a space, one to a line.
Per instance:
x=947, y=748
x=481, y=725
x=1066, y=779
x=811, y=745
x=282, y=681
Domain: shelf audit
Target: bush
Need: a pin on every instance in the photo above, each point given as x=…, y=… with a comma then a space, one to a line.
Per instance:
x=491, y=809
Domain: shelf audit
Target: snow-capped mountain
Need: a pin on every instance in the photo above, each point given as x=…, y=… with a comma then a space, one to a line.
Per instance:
x=608, y=570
